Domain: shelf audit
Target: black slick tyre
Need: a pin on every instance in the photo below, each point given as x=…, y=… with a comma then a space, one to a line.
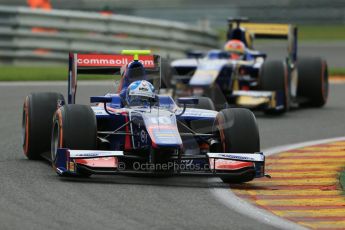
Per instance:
x=204, y=103
x=74, y=127
x=312, y=81
x=238, y=134
x=38, y=111
x=274, y=77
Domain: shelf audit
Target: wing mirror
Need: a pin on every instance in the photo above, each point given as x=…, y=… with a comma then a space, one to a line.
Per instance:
x=187, y=101
x=100, y=99
x=195, y=54
x=104, y=100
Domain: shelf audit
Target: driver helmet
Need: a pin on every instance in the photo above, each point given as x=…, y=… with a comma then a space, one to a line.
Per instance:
x=140, y=93
x=236, y=48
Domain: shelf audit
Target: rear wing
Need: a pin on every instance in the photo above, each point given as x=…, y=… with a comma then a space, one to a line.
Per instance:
x=103, y=64
x=271, y=31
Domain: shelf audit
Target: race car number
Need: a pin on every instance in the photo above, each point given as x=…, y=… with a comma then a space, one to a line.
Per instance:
x=161, y=120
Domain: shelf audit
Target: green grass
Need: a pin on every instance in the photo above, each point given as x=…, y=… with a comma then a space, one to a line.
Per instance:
x=321, y=32
x=337, y=72
x=342, y=181
x=309, y=33
x=12, y=73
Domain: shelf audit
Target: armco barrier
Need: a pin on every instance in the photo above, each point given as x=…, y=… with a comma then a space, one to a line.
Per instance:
x=28, y=35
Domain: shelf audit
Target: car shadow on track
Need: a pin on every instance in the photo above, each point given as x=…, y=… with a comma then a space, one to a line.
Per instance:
x=186, y=181
x=295, y=111
x=177, y=181
x=144, y=179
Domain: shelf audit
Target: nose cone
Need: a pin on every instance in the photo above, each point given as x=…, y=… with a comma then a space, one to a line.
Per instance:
x=165, y=136
x=162, y=129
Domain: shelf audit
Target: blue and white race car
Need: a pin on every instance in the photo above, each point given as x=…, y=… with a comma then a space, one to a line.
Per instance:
x=137, y=130
x=240, y=76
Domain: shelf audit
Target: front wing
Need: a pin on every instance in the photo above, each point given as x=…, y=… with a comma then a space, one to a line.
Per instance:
x=264, y=100
x=72, y=162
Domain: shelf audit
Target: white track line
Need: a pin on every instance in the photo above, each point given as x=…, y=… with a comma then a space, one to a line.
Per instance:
x=229, y=199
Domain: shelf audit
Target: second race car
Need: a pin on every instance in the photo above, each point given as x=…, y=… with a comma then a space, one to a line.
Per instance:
x=240, y=76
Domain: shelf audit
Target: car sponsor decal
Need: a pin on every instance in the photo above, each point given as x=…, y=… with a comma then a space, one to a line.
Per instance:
x=253, y=93
x=164, y=134
x=161, y=120
x=143, y=136
x=112, y=60
x=93, y=153
x=102, y=162
x=251, y=157
x=200, y=113
x=221, y=164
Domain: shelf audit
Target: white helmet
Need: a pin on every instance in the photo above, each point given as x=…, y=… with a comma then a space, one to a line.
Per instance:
x=139, y=93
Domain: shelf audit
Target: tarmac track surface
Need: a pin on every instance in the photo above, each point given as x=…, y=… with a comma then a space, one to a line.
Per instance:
x=33, y=197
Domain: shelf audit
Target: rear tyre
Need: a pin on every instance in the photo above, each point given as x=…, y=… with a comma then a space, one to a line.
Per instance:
x=166, y=74
x=238, y=134
x=203, y=126
x=218, y=96
x=274, y=77
x=204, y=103
x=38, y=111
x=313, y=81
x=74, y=127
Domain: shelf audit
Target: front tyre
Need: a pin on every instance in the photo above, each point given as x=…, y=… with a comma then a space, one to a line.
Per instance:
x=238, y=134
x=38, y=111
x=274, y=77
x=74, y=127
